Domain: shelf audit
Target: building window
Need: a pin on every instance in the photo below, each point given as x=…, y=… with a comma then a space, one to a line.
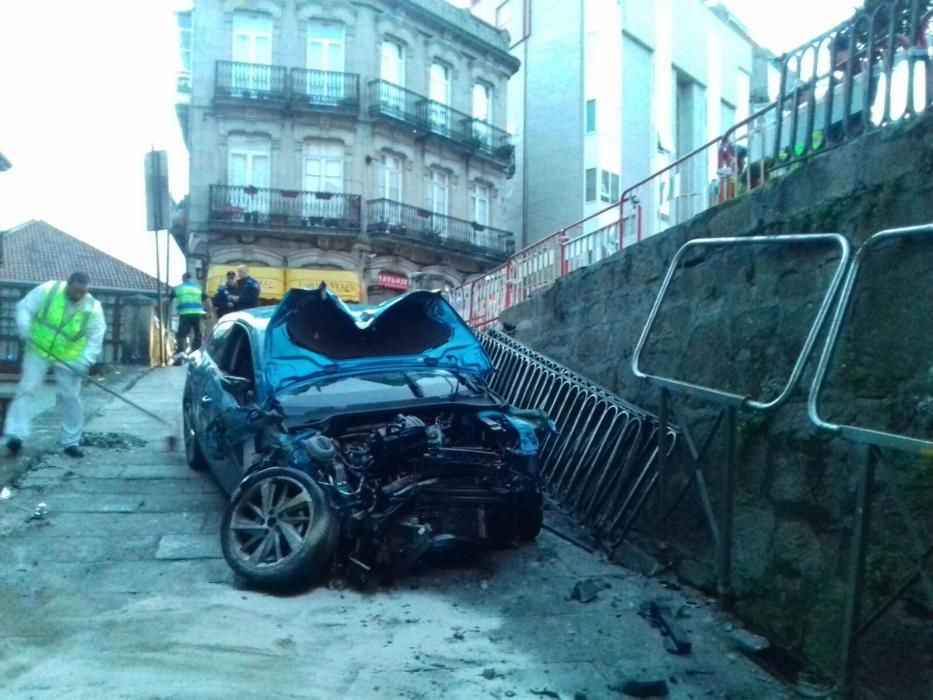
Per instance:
x=591, y=184
x=591, y=116
x=439, y=93
x=480, y=201
x=504, y=15
x=726, y=116
x=439, y=84
x=326, y=47
x=440, y=183
x=252, y=38
x=248, y=167
x=392, y=62
x=248, y=161
x=392, y=178
x=609, y=190
x=184, y=40
x=482, y=102
x=252, y=44
x=323, y=167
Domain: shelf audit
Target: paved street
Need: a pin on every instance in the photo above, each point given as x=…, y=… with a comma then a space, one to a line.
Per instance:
x=121, y=592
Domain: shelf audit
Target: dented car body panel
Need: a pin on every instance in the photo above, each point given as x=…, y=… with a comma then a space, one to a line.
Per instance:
x=381, y=416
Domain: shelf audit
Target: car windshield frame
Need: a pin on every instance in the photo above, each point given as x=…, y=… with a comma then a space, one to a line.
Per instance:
x=414, y=385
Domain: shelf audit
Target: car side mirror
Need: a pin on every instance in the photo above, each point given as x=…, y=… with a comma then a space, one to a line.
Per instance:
x=239, y=387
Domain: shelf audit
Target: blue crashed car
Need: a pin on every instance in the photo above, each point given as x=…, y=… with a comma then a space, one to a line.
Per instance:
x=357, y=439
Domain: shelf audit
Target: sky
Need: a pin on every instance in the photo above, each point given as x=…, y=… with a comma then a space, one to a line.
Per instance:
x=87, y=88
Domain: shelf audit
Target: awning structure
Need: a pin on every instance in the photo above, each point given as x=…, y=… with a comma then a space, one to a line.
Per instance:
x=275, y=281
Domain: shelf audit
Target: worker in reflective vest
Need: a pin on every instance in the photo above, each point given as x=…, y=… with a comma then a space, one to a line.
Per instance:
x=60, y=325
x=189, y=304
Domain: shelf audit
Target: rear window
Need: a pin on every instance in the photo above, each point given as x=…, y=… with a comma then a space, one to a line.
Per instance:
x=409, y=327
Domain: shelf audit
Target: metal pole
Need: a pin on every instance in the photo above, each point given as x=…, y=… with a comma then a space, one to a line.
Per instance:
x=168, y=284
x=663, y=477
x=159, y=302
x=728, y=498
x=857, y=570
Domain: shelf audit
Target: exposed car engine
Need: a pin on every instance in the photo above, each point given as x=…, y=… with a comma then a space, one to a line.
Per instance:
x=409, y=485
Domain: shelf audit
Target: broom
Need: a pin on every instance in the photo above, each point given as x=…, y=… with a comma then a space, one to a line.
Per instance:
x=171, y=440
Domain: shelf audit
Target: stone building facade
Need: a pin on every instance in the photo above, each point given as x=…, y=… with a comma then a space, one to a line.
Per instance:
x=361, y=144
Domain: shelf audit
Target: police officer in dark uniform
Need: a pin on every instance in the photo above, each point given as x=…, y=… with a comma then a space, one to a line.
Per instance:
x=223, y=304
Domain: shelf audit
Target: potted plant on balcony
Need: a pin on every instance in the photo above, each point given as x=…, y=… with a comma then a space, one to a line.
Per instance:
x=251, y=190
x=323, y=195
x=290, y=194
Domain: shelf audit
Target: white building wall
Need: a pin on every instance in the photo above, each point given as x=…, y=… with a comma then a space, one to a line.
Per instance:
x=661, y=72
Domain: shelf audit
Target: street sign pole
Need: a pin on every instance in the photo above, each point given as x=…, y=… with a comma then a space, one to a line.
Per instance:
x=158, y=215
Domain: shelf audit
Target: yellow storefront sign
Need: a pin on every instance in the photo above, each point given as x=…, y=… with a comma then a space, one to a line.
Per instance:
x=345, y=284
x=275, y=281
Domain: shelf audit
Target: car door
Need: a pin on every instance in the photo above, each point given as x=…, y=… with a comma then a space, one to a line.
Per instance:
x=203, y=373
x=228, y=441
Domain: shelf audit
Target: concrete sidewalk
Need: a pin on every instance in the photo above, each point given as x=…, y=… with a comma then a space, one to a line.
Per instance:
x=121, y=592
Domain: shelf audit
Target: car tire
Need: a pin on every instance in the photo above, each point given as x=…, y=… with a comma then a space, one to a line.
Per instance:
x=527, y=523
x=516, y=525
x=194, y=456
x=279, y=532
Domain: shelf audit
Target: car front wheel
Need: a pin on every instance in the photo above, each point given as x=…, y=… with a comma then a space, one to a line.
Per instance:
x=279, y=531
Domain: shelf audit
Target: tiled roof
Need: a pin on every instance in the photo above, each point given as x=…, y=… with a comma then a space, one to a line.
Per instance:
x=35, y=252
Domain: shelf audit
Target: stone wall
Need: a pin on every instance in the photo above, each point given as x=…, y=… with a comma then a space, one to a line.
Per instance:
x=735, y=321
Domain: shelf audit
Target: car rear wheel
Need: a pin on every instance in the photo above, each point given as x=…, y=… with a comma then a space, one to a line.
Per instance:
x=193, y=454
x=279, y=531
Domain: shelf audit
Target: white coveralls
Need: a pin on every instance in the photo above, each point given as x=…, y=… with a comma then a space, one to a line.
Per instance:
x=19, y=415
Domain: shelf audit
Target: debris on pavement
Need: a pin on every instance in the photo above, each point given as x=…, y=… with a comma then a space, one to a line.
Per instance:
x=587, y=591
x=661, y=616
x=641, y=689
x=749, y=642
x=112, y=441
x=491, y=674
x=39, y=513
x=6, y=493
x=544, y=692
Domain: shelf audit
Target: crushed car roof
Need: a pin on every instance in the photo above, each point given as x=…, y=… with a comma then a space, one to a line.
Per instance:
x=313, y=333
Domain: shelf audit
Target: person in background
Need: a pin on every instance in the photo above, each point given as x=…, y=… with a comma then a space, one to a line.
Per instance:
x=189, y=305
x=222, y=302
x=246, y=295
x=60, y=325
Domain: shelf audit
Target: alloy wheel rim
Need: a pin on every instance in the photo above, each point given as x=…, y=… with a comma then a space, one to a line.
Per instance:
x=271, y=521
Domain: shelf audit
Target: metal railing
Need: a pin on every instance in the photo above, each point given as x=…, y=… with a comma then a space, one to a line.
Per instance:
x=279, y=86
x=388, y=100
x=825, y=99
x=603, y=464
x=391, y=218
x=875, y=477
x=264, y=207
x=251, y=81
x=325, y=89
x=869, y=71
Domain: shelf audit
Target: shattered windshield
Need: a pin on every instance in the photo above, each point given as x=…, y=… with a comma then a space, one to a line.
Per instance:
x=378, y=388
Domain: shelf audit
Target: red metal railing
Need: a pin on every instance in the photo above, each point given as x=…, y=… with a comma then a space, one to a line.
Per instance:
x=866, y=73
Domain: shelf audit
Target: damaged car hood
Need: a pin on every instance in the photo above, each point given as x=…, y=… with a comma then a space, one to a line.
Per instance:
x=314, y=334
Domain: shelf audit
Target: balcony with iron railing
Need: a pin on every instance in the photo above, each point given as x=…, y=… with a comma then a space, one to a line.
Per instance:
x=267, y=209
x=280, y=87
x=324, y=90
x=250, y=82
x=394, y=220
x=393, y=102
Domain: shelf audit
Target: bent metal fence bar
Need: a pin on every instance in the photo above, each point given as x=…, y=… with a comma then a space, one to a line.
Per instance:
x=731, y=403
x=868, y=72
x=873, y=441
x=602, y=465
